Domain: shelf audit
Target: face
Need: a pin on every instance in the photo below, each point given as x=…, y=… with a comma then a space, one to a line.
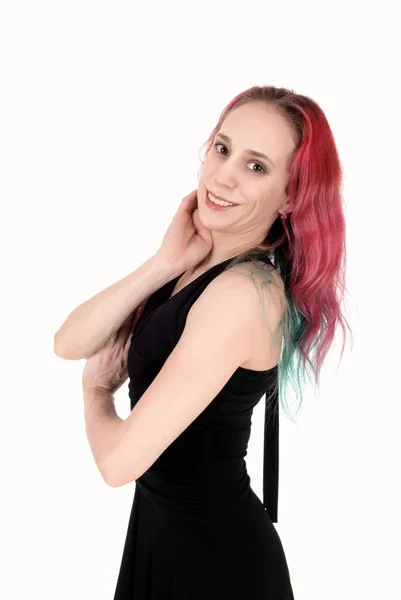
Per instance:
x=254, y=183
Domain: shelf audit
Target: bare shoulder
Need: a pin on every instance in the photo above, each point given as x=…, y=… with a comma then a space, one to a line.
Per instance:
x=249, y=282
x=266, y=282
x=251, y=297
x=228, y=293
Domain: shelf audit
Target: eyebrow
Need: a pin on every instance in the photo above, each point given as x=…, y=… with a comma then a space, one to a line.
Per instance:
x=249, y=150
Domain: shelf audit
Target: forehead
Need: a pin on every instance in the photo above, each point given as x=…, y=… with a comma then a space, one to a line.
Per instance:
x=261, y=128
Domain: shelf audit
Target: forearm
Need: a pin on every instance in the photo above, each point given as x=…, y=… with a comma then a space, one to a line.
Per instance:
x=89, y=326
x=104, y=428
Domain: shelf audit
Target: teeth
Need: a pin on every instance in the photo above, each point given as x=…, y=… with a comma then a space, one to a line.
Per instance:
x=217, y=201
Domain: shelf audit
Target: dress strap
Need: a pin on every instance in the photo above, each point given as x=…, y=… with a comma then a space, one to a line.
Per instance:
x=271, y=457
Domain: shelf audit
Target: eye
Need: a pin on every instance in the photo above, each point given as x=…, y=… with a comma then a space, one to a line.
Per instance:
x=253, y=161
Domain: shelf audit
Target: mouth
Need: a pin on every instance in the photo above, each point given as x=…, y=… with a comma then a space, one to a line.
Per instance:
x=217, y=202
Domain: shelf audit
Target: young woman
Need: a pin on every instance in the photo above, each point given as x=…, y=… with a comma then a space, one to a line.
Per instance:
x=248, y=279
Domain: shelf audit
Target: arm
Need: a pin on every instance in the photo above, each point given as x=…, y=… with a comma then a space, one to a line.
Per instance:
x=217, y=339
x=90, y=325
x=102, y=425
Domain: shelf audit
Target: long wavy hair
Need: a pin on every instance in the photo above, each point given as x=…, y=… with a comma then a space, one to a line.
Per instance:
x=308, y=247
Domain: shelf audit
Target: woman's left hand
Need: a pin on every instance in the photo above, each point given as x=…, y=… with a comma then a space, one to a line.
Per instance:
x=106, y=370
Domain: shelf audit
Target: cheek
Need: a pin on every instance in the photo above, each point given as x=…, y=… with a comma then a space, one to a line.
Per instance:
x=203, y=172
x=253, y=191
x=207, y=167
x=212, y=160
x=257, y=201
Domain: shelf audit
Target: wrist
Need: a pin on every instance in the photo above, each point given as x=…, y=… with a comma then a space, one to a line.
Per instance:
x=165, y=267
x=96, y=396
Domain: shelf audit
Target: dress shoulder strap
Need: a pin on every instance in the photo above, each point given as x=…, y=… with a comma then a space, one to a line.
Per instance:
x=271, y=457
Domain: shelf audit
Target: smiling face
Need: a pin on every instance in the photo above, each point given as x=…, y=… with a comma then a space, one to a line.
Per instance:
x=255, y=183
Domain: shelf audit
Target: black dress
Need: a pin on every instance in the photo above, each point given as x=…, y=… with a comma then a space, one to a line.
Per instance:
x=197, y=530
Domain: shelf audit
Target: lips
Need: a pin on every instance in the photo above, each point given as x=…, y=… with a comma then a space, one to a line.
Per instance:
x=221, y=197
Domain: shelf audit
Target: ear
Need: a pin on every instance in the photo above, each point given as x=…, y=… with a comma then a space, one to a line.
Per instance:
x=287, y=207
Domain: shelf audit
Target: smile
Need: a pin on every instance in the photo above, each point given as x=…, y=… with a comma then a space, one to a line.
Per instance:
x=217, y=203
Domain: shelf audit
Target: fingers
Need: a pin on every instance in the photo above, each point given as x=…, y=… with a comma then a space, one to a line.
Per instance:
x=190, y=202
x=197, y=221
x=200, y=227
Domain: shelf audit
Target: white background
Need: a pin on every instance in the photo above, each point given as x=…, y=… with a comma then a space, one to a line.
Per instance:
x=104, y=107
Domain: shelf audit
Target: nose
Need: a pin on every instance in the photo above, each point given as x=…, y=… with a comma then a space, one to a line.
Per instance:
x=225, y=177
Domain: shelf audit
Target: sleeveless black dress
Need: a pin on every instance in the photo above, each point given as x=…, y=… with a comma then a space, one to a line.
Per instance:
x=197, y=530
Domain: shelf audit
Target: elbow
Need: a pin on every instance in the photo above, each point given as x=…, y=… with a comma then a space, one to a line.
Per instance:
x=114, y=475
x=112, y=483
x=108, y=476
x=57, y=346
x=112, y=479
x=59, y=350
x=62, y=352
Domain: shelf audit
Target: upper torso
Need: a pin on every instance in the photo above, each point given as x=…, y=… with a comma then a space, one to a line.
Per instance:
x=263, y=355
x=204, y=469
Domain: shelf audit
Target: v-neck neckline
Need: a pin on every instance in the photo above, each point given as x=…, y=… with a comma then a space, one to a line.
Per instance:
x=172, y=282
x=164, y=298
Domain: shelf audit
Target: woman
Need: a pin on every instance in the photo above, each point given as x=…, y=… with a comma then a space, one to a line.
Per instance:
x=249, y=277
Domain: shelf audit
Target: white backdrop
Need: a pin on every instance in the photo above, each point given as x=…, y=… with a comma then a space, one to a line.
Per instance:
x=104, y=107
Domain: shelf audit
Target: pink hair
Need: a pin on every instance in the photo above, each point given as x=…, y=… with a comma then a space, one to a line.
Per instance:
x=308, y=248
